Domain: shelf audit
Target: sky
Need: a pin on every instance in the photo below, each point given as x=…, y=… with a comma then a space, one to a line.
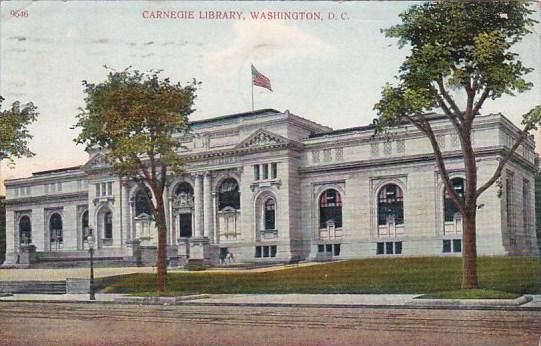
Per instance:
x=329, y=71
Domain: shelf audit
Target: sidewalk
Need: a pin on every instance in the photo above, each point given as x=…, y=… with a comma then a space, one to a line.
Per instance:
x=293, y=300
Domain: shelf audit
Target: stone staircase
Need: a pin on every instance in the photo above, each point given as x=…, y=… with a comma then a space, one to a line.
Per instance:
x=33, y=287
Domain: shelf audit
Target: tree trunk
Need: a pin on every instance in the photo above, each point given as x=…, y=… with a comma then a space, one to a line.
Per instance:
x=469, y=251
x=162, y=239
x=469, y=246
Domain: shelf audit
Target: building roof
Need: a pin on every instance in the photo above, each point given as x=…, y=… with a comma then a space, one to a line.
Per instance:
x=58, y=170
x=235, y=116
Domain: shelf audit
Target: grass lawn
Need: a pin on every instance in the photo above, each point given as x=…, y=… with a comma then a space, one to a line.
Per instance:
x=516, y=275
x=471, y=294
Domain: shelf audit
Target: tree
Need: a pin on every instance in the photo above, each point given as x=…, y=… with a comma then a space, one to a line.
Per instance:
x=459, y=48
x=14, y=133
x=137, y=119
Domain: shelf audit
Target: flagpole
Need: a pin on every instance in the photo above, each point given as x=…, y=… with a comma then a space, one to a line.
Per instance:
x=252, y=94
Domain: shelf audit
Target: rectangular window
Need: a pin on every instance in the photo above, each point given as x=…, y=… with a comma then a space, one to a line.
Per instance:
x=446, y=246
x=328, y=248
x=265, y=251
x=321, y=248
x=389, y=248
x=59, y=187
x=258, y=251
x=273, y=251
x=398, y=247
x=256, y=172
x=457, y=245
x=274, y=170
x=46, y=187
x=53, y=187
x=103, y=189
x=110, y=188
x=265, y=171
x=336, y=249
x=28, y=190
x=98, y=193
x=380, y=249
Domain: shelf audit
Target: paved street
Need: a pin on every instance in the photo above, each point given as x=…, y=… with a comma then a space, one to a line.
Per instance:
x=104, y=324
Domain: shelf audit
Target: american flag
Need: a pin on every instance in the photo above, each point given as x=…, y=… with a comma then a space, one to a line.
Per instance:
x=260, y=80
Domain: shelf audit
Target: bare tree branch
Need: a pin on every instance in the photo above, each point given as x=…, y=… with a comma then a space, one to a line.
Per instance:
x=449, y=99
x=509, y=153
x=480, y=102
x=427, y=130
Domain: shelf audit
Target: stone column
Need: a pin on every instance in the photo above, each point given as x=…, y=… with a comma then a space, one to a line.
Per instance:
x=165, y=198
x=214, y=219
x=171, y=223
x=198, y=207
x=125, y=211
x=207, y=201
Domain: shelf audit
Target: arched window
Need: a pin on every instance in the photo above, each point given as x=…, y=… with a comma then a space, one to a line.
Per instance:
x=449, y=207
x=25, y=230
x=390, y=205
x=228, y=194
x=143, y=202
x=55, y=231
x=270, y=214
x=330, y=208
x=184, y=188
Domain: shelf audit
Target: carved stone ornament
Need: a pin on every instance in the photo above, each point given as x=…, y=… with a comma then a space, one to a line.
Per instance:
x=97, y=162
x=183, y=201
x=262, y=138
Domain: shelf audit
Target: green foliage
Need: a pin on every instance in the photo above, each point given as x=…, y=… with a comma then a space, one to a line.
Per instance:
x=14, y=134
x=456, y=45
x=133, y=117
x=382, y=275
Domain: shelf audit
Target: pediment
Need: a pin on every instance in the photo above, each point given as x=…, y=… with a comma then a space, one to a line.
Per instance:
x=96, y=162
x=262, y=138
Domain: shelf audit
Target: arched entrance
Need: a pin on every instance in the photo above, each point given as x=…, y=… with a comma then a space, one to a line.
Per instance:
x=183, y=204
x=25, y=230
x=56, y=240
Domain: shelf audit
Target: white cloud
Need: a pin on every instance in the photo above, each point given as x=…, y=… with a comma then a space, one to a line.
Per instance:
x=267, y=43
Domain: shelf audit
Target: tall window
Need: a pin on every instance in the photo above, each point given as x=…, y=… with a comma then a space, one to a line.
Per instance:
x=526, y=207
x=330, y=208
x=270, y=214
x=450, y=208
x=25, y=230
x=390, y=205
x=143, y=202
x=84, y=226
x=55, y=229
x=228, y=194
x=509, y=201
x=108, y=225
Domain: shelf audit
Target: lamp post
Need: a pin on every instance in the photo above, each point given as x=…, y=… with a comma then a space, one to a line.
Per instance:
x=90, y=241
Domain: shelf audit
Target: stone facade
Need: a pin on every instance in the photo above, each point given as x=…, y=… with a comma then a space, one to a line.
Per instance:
x=273, y=186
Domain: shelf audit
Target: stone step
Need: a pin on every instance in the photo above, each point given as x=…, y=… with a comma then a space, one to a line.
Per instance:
x=34, y=287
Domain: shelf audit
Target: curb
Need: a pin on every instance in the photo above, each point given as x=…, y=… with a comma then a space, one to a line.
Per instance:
x=472, y=302
x=158, y=300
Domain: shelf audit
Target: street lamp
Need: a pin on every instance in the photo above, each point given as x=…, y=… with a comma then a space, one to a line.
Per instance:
x=90, y=241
